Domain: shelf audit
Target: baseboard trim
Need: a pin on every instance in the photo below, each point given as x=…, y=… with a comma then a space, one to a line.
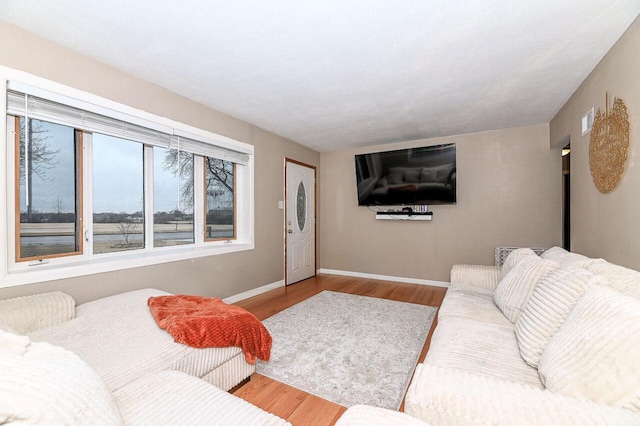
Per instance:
x=384, y=277
x=250, y=293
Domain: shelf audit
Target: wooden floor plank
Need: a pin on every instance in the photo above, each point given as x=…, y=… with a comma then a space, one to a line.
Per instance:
x=295, y=405
x=316, y=411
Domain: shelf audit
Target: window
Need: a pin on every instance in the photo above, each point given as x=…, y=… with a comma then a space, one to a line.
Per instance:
x=220, y=195
x=100, y=189
x=118, y=194
x=48, y=218
x=172, y=197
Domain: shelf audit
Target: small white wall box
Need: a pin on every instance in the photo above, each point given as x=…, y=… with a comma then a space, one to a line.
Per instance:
x=587, y=121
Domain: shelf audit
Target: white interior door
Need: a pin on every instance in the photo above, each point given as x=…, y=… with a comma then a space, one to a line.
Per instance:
x=300, y=222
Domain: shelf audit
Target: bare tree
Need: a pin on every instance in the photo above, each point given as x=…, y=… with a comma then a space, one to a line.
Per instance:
x=219, y=175
x=182, y=167
x=126, y=229
x=36, y=158
x=39, y=155
x=58, y=205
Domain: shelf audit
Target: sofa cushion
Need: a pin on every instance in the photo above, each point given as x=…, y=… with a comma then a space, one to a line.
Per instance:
x=471, y=302
x=382, y=182
x=5, y=327
x=442, y=173
x=412, y=176
x=594, y=355
x=442, y=396
x=515, y=257
x=29, y=313
x=624, y=280
x=395, y=178
x=482, y=348
x=515, y=288
x=174, y=398
x=567, y=258
x=547, y=308
x=13, y=341
x=427, y=175
x=368, y=415
x=556, y=253
x=45, y=384
x=122, y=342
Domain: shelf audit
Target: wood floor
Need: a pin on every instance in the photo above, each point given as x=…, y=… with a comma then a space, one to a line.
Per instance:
x=294, y=405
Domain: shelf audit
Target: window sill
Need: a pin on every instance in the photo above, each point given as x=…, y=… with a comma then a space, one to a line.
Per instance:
x=49, y=272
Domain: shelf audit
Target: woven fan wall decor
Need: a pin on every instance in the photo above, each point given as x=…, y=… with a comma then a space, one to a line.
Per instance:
x=608, y=145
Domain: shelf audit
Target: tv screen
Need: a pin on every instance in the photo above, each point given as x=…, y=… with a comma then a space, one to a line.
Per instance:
x=425, y=175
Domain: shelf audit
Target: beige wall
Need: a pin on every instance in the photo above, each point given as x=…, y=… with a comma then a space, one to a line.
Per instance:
x=220, y=276
x=509, y=193
x=605, y=225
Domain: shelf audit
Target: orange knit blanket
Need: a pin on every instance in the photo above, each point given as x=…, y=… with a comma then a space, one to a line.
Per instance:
x=204, y=322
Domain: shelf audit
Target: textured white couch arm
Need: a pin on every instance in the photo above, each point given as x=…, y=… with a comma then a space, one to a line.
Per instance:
x=484, y=276
x=447, y=396
x=366, y=415
x=29, y=313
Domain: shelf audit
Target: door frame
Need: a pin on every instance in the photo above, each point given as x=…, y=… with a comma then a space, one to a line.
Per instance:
x=566, y=197
x=315, y=215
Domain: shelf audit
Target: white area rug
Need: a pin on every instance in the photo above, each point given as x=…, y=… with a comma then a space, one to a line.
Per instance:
x=348, y=349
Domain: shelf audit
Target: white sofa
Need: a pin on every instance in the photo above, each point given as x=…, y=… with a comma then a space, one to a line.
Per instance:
x=550, y=339
x=368, y=415
x=122, y=367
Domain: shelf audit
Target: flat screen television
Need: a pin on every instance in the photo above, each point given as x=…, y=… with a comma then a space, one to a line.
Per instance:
x=413, y=176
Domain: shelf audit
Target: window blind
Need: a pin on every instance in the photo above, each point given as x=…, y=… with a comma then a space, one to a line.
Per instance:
x=208, y=150
x=43, y=109
x=36, y=103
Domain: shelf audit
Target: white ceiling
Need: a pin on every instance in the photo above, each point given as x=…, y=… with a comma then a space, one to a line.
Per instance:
x=333, y=74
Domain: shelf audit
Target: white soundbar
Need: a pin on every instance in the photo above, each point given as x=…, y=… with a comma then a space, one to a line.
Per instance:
x=404, y=215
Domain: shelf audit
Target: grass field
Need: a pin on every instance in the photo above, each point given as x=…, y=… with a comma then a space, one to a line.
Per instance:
x=58, y=229
x=115, y=241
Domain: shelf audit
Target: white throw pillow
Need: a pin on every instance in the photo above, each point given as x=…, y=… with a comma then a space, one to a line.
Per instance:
x=13, y=342
x=555, y=253
x=45, y=384
x=547, y=308
x=514, y=289
x=594, y=355
x=514, y=258
x=5, y=327
x=568, y=258
x=624, y=280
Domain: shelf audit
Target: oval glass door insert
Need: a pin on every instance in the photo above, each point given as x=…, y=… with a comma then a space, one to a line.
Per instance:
x=301, y=206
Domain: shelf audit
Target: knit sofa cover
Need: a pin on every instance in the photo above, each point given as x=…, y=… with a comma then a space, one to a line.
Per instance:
x=475, y=373
x=118, y=337
x=107, y=362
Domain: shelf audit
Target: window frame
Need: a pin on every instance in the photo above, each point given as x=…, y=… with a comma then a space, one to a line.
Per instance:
x=204, y=197
x=145, y=223
x=150, y=151
x=78, y=147
x=14, y=273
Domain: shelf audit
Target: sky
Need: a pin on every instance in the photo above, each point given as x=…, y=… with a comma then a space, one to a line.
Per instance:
x=117, y=176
